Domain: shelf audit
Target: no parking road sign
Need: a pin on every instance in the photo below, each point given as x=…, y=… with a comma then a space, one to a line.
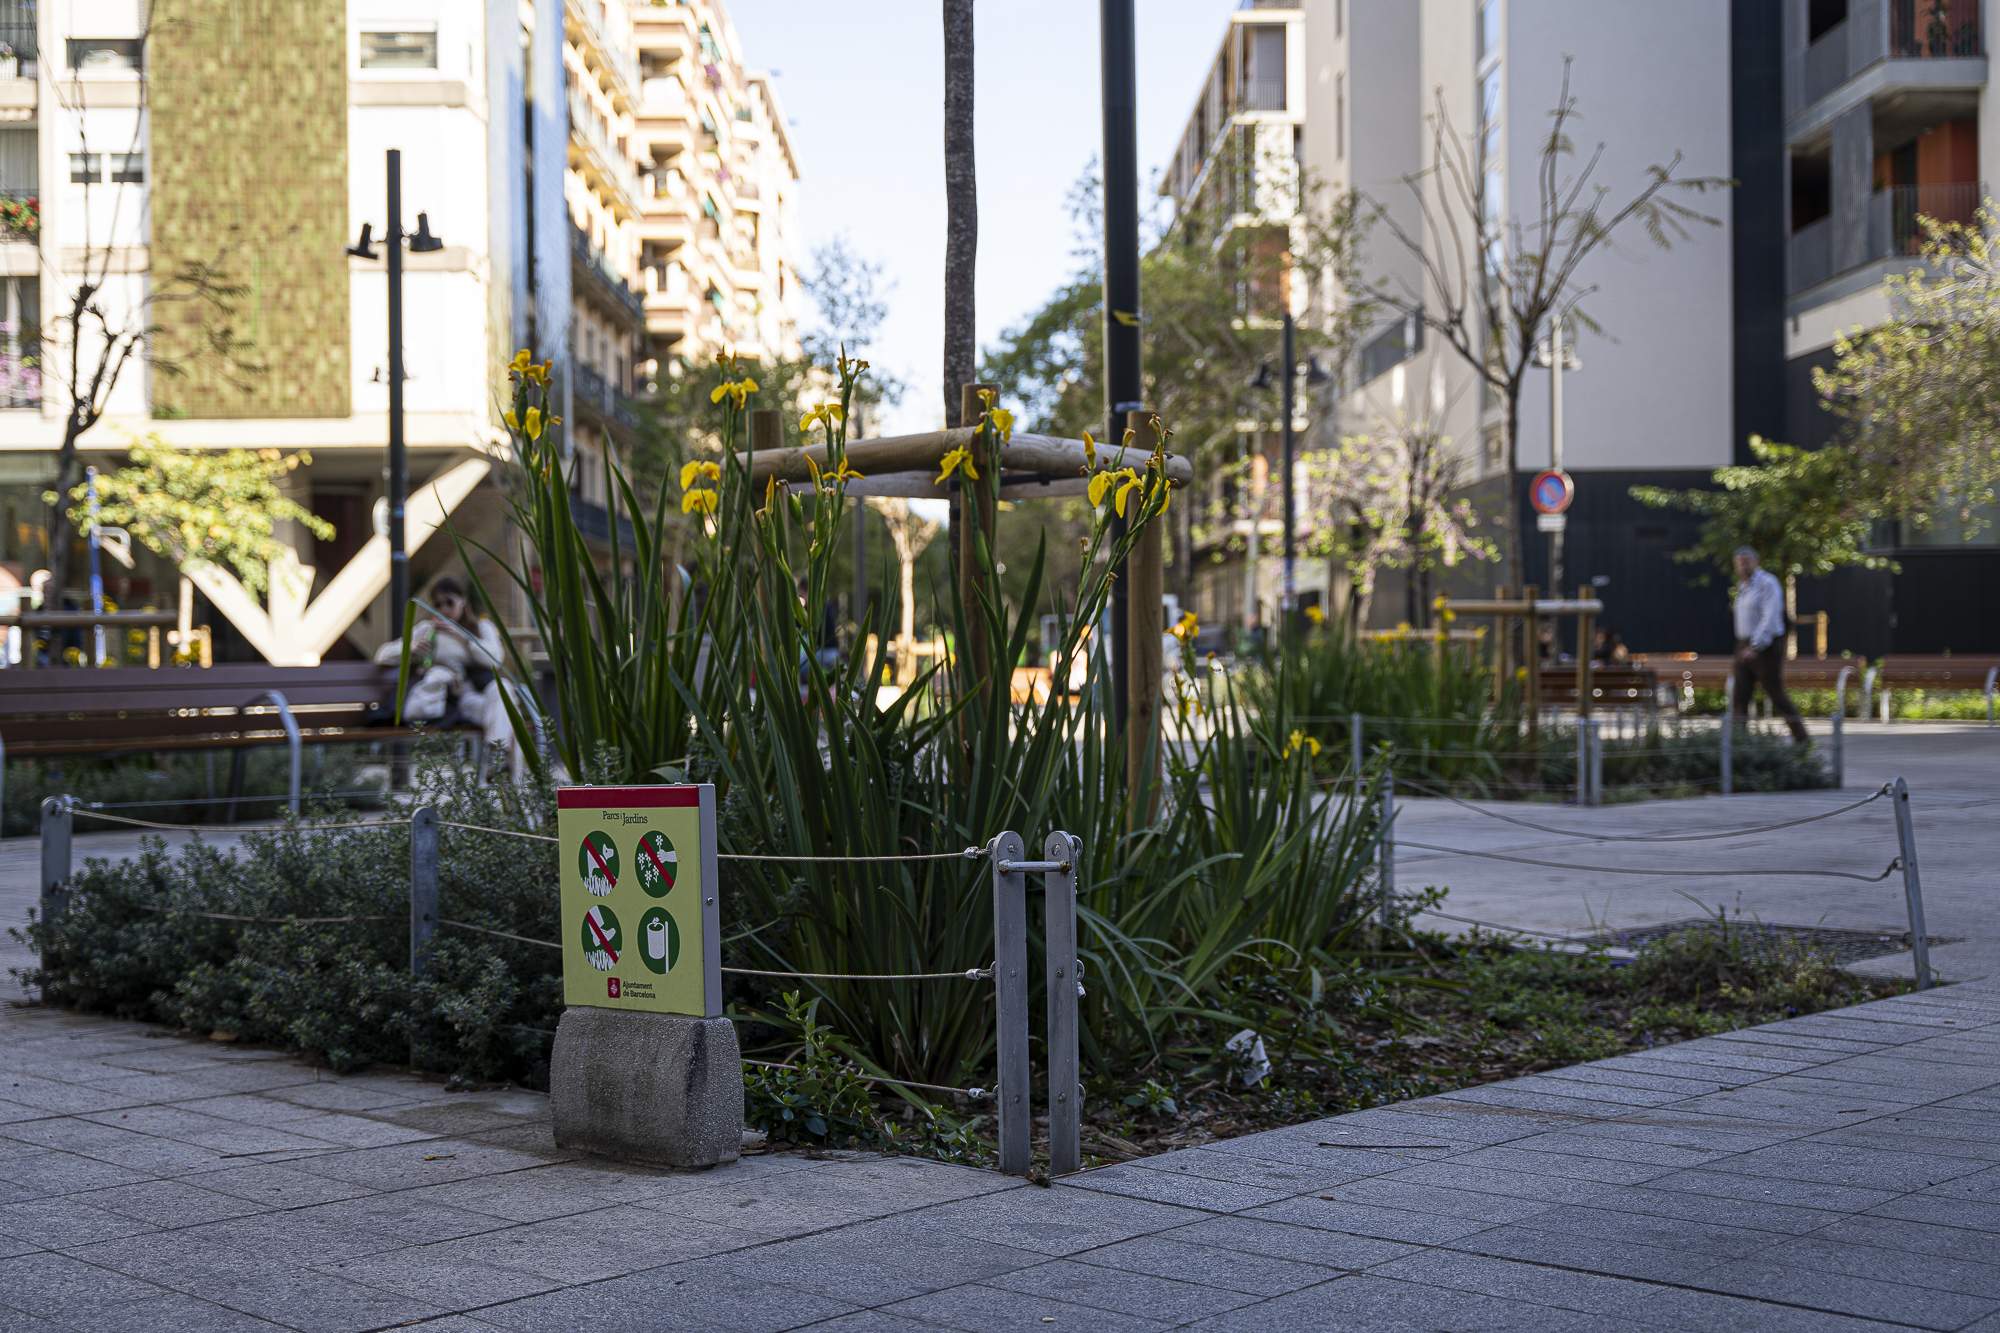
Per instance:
x=1551, y=491
x=641, y=928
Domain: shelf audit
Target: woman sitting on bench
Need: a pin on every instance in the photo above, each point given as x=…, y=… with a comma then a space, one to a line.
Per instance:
x=455, y=661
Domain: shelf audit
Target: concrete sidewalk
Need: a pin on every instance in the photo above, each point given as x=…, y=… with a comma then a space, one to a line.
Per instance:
x=1832, y=1172
x=1954, y=776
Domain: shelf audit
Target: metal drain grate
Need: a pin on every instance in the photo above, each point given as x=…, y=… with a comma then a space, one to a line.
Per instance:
x=1846, y=946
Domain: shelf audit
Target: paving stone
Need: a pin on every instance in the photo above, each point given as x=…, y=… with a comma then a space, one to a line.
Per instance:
x=1053, y=1222
x=230, y=1137
x=1863, y=1297
x=1166, y=1256
x=1189, y=1191
x=1122, y=1291
x=587, y=1248
x=1881, y=1134
x=351, y=1131
x=109, y=1143
x=1982, y=1187
x=1608, y=1089
x=60, y=1286
x=1750, y=1214
x=339, y=1095
x=1724, y=1184
x=1637, y=1151
x=1588, y=1253
x=911, y=1180
x=1674, y=1233
x=541, y=1192
x=1798, y=1042
x=1463, y=1127
x=681, y=1297
x=170, y=1203
x=1792, y=1108
x=1943, y=1212
x=181, y=1313
x=408, y=1165
x=1925, y=1238
x=400, y=1218
x=874, y=1321
x=1526, y=1161
x=1366, y=1220
x=1384, y=1192
x=980, y=1307
x=57, y=1223
x=1583, y=1104
x=1287, y=1177
x=1279, y=1240
x=1627, y=1078
x=881, y=1262
x=451, y=1281
x=277, y=1186
x=1875, y=1168
x=50, y=1171
x=249, y=1108
x=1384, y=1306
x=314, y=1302
x=1457, y=1174
x=1970, y=1276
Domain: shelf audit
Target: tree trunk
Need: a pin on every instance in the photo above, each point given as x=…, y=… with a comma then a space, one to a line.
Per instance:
x=961, y=201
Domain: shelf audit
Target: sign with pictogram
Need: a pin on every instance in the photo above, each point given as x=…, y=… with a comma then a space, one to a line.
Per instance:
x=641, y=927
x=1551, y=491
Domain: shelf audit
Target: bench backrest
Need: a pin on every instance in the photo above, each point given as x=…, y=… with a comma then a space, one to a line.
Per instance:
x=57, y=704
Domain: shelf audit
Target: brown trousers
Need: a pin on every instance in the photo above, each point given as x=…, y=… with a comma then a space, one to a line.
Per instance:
x=1767, y=668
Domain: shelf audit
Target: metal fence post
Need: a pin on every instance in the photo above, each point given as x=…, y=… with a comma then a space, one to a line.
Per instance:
x=1010, y=1002
x=1992, y=679
x=57, y=823
x=1596, y=764
x=1385, y=857
x=291, y=725
x=1582, y=763
x=1913, y=890
x=1064, y=989
x=1868, y=691
x=1354, y=749
x=423, y=887
x=1728, y=736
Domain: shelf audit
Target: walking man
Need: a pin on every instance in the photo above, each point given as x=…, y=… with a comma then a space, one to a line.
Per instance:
x=1760, y=642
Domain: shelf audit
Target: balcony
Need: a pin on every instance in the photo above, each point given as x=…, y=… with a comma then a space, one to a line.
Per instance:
x=17, y=32
x=20, y=214
x=1885, y=49
x=603, y=163
x=587, y=25
x=591, y=265
x=593, y=396
x=1894, y=232
x=1389, y=349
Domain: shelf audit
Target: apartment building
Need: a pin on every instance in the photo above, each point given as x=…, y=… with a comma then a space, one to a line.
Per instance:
x=1236, y=168
x=250, y=135
x=718, y=222
x=1886, y=115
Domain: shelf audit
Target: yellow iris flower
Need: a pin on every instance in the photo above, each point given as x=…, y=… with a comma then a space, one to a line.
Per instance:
x=519, y=365
x=531, y=425
x=1315, y=615
x=1126, y=489
x=1297, y=741
x=1186, y=628
x=698, y=469
x=829, y=413
x=701, y=500
x=736, y=391
x=512, y=418
x=958, y=460
x=1089, y=452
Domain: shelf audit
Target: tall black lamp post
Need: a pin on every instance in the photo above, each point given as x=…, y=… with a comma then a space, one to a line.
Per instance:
x=1289, y=595
x=399, y=464
x=1120, y=75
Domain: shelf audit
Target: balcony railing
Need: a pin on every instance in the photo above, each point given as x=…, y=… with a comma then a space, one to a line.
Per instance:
x=1894, y=231
x=1390, y=348
x=1934, y=29
x=591, y=259
x=1263, y=93
x=591, y=392
x=17, y=31
x=1826, y=63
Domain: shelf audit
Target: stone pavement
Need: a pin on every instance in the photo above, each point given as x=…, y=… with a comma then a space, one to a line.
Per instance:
x=1833, y=1172
x=1954, y=776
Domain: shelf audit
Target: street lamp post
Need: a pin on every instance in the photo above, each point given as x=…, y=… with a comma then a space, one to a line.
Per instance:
x=1288, y=407
x=1120, y=83
x=399, y=464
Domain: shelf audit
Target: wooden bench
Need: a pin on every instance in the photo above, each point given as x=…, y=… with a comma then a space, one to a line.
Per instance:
x=119, y=710
x=1714, y=671
x=1930, y=672
x=1611, y=687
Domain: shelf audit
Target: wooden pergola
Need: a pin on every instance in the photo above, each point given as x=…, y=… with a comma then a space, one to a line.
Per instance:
x=1032, y=467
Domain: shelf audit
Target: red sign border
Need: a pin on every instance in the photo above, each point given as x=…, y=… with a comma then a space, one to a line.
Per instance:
x=680, y=796
x=1569, y=491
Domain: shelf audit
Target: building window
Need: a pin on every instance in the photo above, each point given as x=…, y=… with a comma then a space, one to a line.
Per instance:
x=399, y=50
x=106, y=55
x=86, y=168
x=128, y=168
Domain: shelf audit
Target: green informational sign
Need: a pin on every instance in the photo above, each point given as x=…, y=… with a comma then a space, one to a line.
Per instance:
x=640, y=922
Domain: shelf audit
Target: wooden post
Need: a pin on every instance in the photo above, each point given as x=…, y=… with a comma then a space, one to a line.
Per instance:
x=1585, y=624
x=1532, y=647
x=1501, y=638
x=978, y=505
x=1144, y=627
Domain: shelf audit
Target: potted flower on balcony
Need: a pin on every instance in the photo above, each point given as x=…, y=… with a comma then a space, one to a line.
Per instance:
x=20, y=218
x=10, y=62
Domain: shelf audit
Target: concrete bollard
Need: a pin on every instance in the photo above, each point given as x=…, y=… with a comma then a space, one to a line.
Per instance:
x=664, y=1089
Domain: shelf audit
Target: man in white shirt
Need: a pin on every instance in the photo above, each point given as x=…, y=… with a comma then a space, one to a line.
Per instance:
x=1760, y=642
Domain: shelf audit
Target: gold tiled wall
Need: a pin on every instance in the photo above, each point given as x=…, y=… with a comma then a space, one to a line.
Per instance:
x=248, y=107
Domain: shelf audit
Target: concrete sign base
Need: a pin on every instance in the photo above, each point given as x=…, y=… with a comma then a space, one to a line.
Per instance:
x=663, y=1089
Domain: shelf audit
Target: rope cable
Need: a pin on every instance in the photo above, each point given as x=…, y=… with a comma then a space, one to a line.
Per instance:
x=1429, y=790
x=971, y=1094
x=969, y=974
x=1889, y=870
x=230, y=828
x=502, y=832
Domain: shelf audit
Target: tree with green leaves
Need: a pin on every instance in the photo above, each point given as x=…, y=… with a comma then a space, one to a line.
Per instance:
x=201, y=506
x=1921, y=391
x=1805, y=512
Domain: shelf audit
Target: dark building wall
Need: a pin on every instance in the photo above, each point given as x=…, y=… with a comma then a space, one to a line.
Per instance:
x=1757, y=211
x=1807, y=422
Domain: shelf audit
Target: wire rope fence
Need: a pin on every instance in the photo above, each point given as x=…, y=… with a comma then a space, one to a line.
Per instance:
x=1008, y=972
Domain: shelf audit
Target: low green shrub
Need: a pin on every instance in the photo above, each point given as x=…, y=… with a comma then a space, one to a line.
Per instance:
x=176, y=786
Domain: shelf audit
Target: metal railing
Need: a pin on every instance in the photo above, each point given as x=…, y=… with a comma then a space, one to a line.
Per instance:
x=1944, y=201
x=1059, y=869
x=1934, y=29
x=17, y=30
x=593, y=260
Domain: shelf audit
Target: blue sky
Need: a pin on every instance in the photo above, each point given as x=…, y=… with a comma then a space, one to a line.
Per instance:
x=864, y=89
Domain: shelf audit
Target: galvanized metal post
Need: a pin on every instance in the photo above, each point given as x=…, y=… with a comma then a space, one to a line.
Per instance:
x=1354, y=750
x=1992, y=679
x=1596, y=764
x=1010, y=1002
x=1065, y=986
x=1385, y=858
x=1582, y=763
x=423, y=887
x=1868, y=691
x=1840, y=727
x=291, y=726
x=57, y=824
x=1728, y=736
x=1913, y=890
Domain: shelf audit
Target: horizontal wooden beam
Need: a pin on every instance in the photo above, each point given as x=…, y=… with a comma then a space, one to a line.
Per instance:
x=1030, y=456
